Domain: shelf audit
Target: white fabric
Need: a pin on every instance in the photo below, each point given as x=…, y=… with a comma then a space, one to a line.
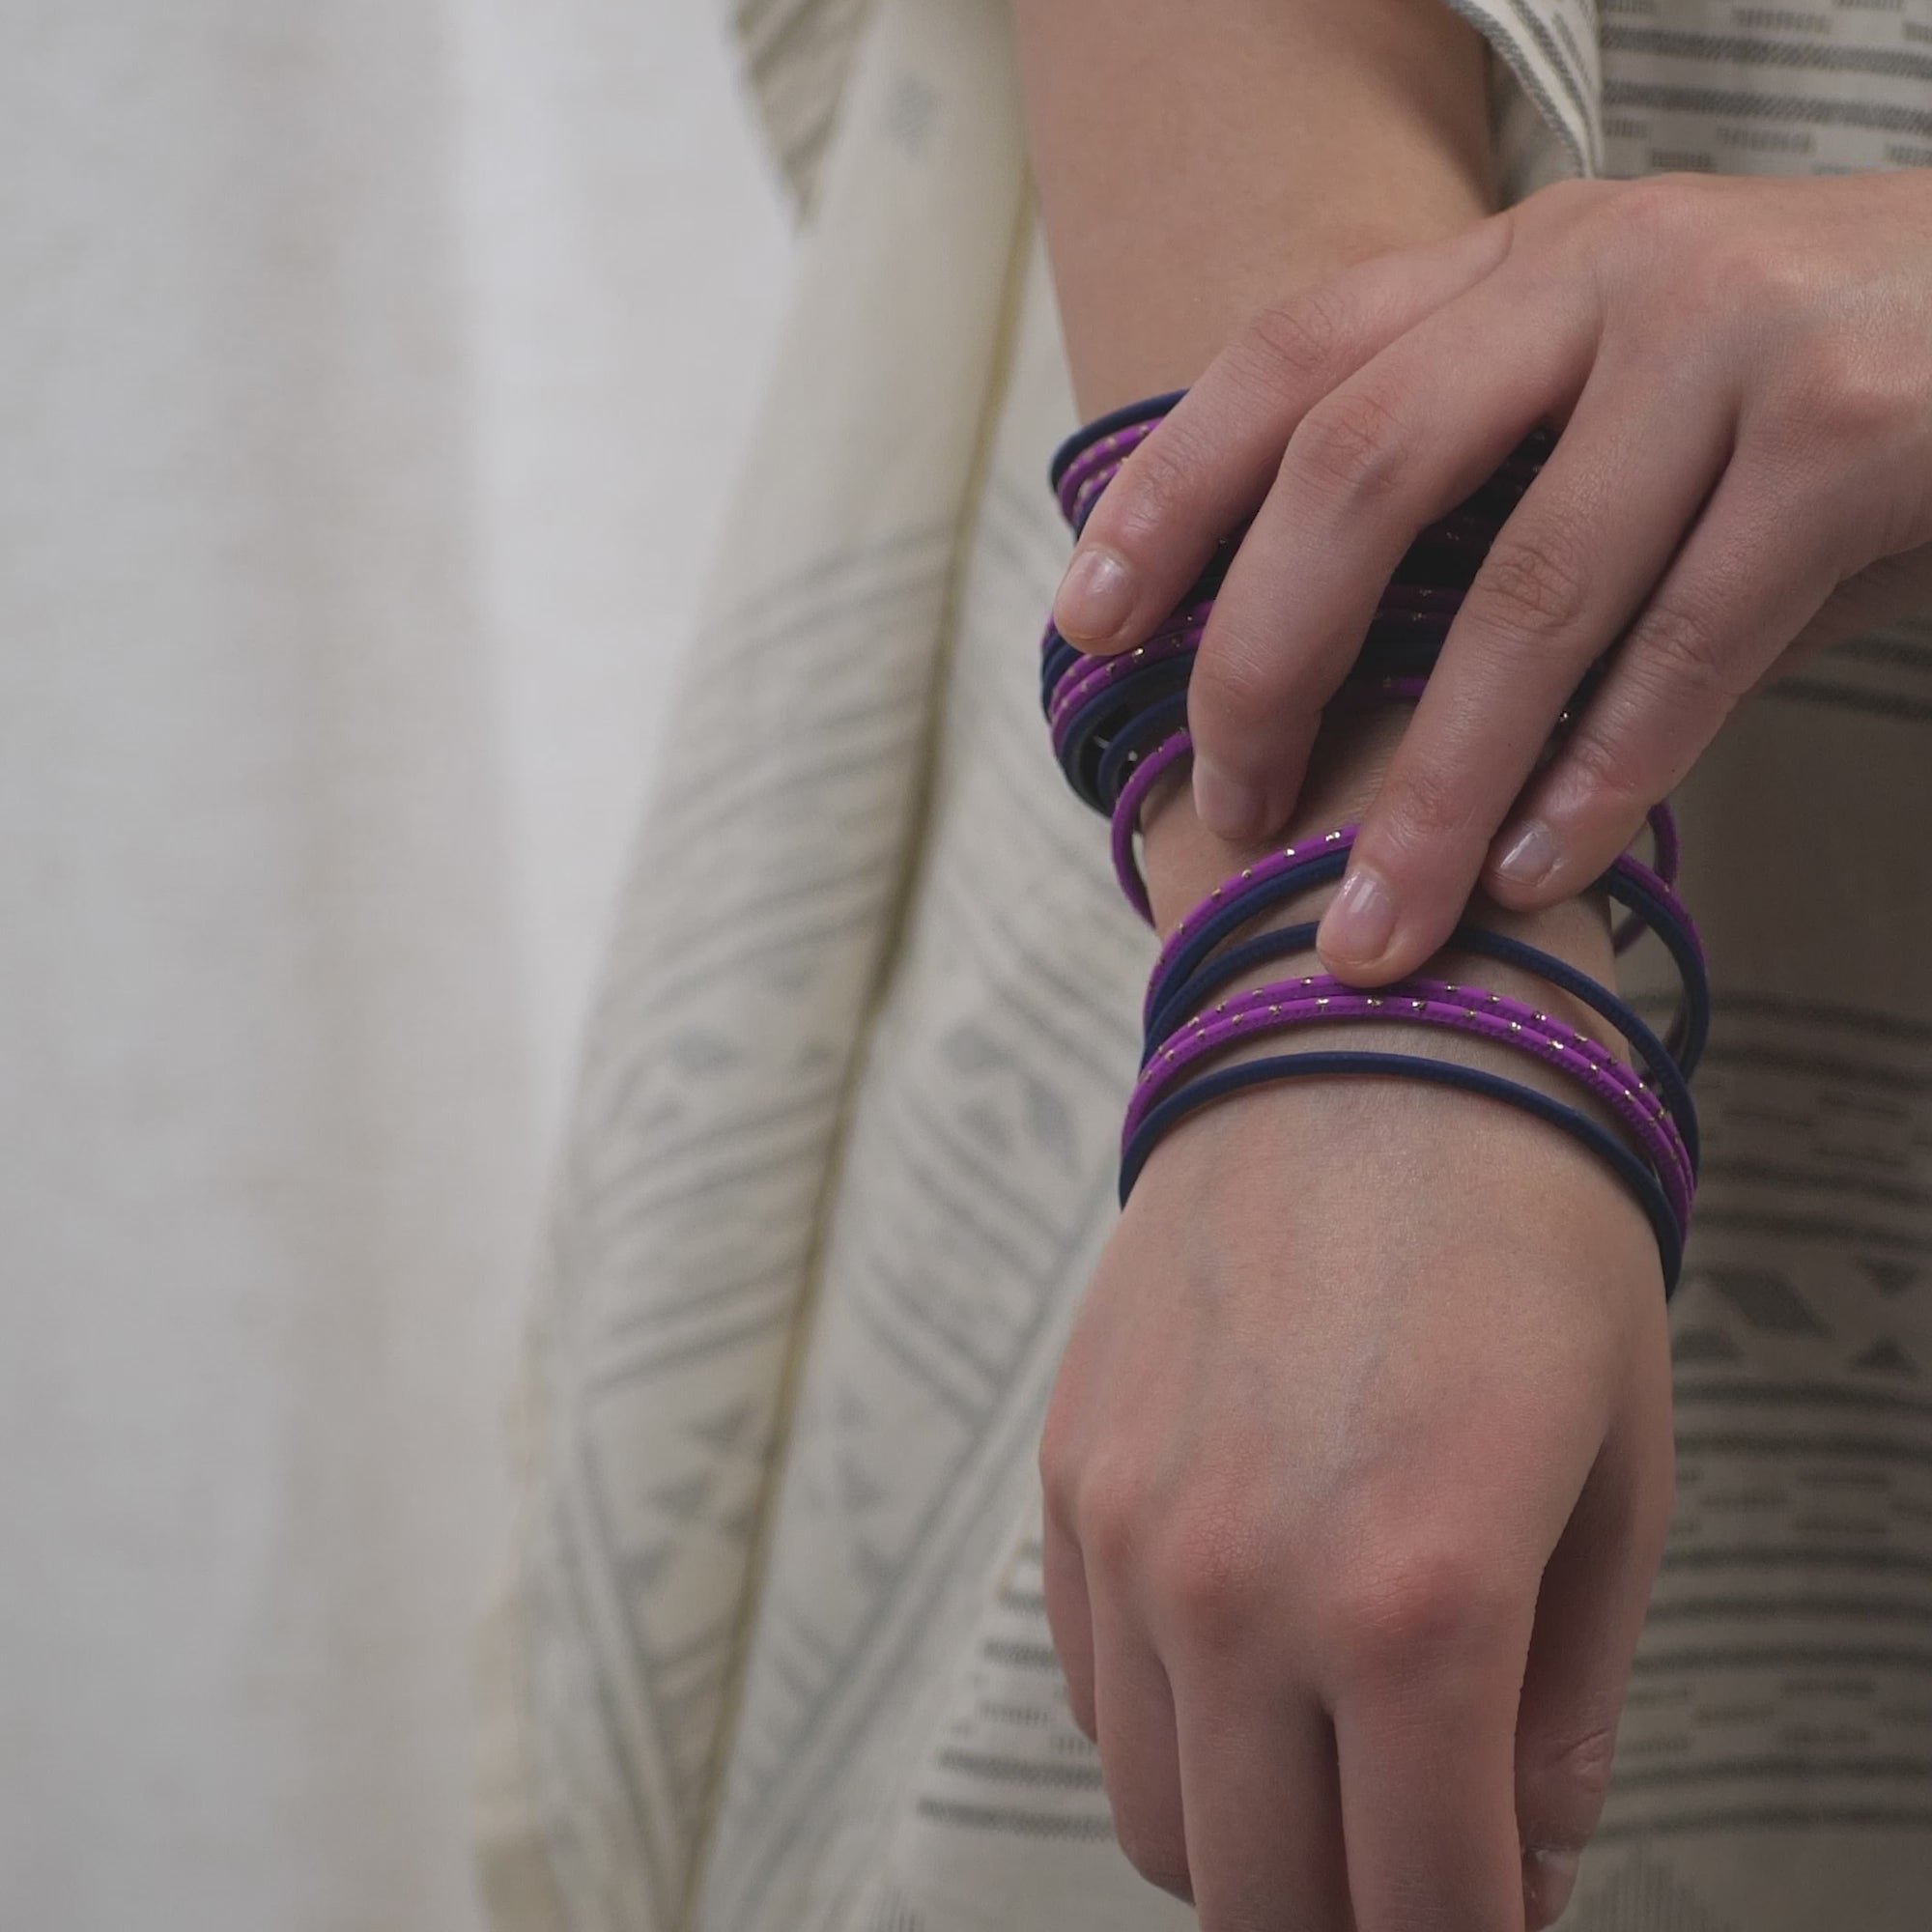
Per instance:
x=844, y=1142
x=366, y=400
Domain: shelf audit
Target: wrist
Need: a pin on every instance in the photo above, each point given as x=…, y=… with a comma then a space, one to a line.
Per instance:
x=1182, y=861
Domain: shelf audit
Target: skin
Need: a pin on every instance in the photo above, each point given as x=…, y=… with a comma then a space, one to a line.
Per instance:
x=1739, y=372
x=1358, y=1466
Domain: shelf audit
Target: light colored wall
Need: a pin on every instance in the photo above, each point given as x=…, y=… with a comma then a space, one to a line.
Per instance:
x=370, y=378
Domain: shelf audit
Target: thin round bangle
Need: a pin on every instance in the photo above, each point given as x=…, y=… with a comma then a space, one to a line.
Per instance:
x=1499, y=1018
x=1283, y=942
x=1226, y=1080
x=1283, y=874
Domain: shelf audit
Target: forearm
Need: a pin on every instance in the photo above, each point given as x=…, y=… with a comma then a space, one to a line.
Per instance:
x=1196, y=161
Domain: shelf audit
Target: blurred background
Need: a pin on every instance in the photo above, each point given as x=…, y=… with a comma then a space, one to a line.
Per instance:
x=371, y=377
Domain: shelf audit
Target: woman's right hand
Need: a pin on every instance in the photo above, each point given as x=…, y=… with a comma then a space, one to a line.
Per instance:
x=1357, y=1472
x=1358, y=1464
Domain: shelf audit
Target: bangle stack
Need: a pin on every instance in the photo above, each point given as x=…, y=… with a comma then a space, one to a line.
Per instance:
x=1119, y=723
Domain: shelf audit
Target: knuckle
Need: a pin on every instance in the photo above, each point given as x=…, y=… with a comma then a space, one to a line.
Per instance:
x=1765, y=281
x=1534, y=581
x=1607, y=769
x=1151, y=491
x=1582, y=1764
x=1054, y=1461
x=1421, y=1608
x=1668, y=208
x=1838, y=395
x=1155, y=1847
x=1238, y=678
x=1679, y=649
x=1211, y=1582
x=1111, y=1517
x=1563, y=1782
x=1571, y=193
x=1298, y=339
x=1430, y=803
x=1350, y=442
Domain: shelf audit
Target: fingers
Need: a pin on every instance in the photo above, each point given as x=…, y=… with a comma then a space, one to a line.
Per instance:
x=1117, y=1686
x=1204, y=467
x=1425, y=1728
x=1596, y=1588
x=1757, y=566
x=1139, y=1754
x=1070, y=1616
x=1392, y=449
x=1579, y=554
x=1263, y=1813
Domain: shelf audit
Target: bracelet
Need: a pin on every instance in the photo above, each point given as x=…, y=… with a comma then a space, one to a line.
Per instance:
x=1661, y=1074
x=1634, y=1175
x=1320, y=998
x=1118, y=723
x=1290, y=869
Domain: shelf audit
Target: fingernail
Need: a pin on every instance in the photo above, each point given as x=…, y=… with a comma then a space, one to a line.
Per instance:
x=1529, y=858
x=1548, y=1879
x=1225, y=805
x=1360, y=920
x=1095, y=596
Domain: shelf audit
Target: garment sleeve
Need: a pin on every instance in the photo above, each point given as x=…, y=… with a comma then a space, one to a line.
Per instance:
x=1545, y=75
x=1546, y=88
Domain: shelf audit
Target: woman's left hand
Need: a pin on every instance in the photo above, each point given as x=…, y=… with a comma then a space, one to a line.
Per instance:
x=1741, y=370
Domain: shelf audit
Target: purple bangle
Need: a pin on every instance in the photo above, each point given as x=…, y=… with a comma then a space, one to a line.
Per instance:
x=1209, y=981
x=1580, y=1127
x=1178, y=637
x=1312, y=860
x=1128, y=813
x=1320, y=998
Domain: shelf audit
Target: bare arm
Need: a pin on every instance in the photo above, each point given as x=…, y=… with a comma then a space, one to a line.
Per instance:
x=1357, y=1467
x=1195, y=161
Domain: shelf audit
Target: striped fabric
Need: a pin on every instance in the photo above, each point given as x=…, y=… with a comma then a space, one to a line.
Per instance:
x=843, y=1153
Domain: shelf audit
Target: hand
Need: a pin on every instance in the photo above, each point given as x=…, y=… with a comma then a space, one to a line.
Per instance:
x=1738, y=366
x=1357, y=1472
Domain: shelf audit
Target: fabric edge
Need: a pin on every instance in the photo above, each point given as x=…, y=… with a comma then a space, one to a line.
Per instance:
x=1521, y=105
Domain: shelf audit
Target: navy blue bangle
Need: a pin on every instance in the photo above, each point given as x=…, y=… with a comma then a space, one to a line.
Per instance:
x=1123, y=417
x=1684, y=1041
x=1207, y=980
x=1224, y=1080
